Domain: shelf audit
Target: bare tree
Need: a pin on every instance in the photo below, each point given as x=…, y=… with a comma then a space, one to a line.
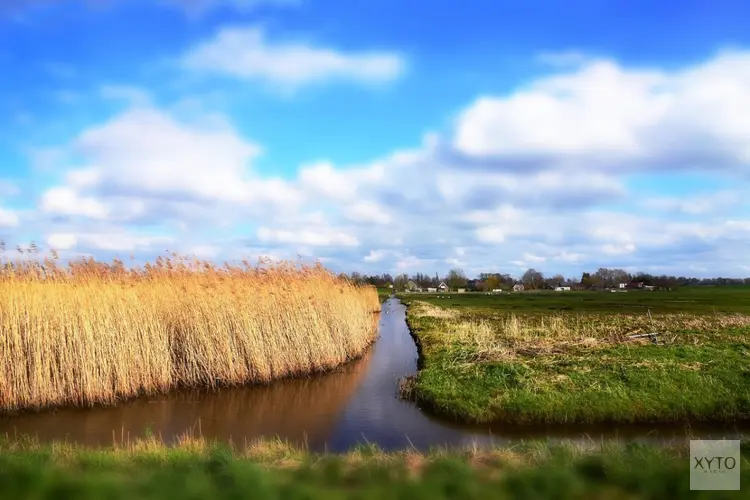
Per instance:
x=555, y=281
x=532, y=279
x=492, y=282
x=456, y=278
x=399, y=283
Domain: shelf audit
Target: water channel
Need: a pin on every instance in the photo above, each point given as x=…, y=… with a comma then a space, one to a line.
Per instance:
x=354, y=404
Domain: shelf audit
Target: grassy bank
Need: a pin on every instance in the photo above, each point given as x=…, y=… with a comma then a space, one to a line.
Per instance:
x=486, y=364
x=194, y=469
x=95, y=333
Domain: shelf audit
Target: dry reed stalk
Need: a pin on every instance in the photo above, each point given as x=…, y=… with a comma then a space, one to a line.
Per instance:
x=95, y=332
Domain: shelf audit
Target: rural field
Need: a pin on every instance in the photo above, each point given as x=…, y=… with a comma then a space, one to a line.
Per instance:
x=568, y=357
x=96, y=334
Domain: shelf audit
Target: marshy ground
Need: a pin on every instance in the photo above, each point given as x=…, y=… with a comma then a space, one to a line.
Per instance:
x=569, y=358
x=98, y=334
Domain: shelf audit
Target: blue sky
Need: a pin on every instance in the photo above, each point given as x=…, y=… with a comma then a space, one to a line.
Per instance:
x=381, y=136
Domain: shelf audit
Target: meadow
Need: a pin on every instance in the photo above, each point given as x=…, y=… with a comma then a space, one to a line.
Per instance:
x=95, y=333
x=693, y=300
x=146, y=468
x=569, y=357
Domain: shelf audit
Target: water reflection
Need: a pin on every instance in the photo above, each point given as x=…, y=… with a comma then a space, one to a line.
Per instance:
x=303, y=411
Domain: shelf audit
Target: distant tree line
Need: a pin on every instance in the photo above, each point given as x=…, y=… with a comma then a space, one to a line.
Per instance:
x=533, y=279
x=378, y=280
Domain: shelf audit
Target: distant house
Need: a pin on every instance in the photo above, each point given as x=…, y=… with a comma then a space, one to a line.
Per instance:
x=432, y=290
x=462, y=290
x=443, y=287
x=562, y=289
x=411, y=286
x=390, y=285
x=623, y=285
x=518, y=287
x=497, y=290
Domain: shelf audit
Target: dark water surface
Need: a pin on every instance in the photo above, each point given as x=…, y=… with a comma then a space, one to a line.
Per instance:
x=335, y=411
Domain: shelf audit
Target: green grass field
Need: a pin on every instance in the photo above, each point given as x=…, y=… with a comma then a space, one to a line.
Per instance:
x=699, y=300
x=384, y=293
x=566, y=357
x=272, y=470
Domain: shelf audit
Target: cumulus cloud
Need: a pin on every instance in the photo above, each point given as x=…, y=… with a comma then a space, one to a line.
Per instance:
x=534, y=178
x=66, y=201
x=246, y=53
x=603, y=116
x=145, y=154
x=114, y=241
x=8, y=218
x=705, y=203
x=314, y=237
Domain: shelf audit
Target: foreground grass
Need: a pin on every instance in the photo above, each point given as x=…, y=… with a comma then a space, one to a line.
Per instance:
x=195, y=469
x=486, y=365
x=96, y=333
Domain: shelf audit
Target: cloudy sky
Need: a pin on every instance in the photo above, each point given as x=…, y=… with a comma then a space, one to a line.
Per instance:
x=382, y=136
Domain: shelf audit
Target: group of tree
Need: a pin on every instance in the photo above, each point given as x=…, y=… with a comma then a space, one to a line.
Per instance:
x=455, y=279
x=378, y=280
x=533, y=279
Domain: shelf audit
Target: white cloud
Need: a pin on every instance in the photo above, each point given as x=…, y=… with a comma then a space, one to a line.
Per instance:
x=62, y=241
x=147, y=154
x=204, y=251
x=375, y=256
x=604, y=116
x=324, y=179
x=8, y=218
x=538, y=190
x=367, y=211
x=147, y=151
x=116, y=241
x=66, y=201
x=530, y=257
x=245, y=53
x=612, y=249
x=318, y=237
x=704, y=203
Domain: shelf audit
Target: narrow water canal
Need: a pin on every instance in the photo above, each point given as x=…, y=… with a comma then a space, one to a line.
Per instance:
x=333, y=412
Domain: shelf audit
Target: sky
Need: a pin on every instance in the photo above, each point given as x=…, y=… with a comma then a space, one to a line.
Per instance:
x=384, y=136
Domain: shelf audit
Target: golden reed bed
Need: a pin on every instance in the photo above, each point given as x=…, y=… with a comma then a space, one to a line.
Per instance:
x=95, y=333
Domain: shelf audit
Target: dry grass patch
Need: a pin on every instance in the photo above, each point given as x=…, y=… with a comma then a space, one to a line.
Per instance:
x=95, y=333
x=502, y=336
